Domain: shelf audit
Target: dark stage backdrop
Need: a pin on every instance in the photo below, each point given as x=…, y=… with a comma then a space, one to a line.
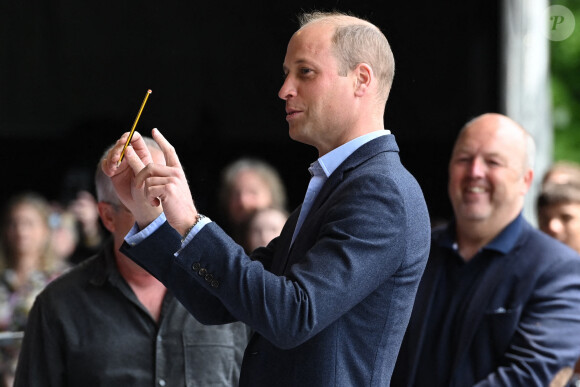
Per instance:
x=73, y=75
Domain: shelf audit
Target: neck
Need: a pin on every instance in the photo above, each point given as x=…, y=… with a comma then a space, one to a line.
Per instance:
x=473, y=236
x=147, y=288
x=369, y=123
x=469, y=244
x=351, y=135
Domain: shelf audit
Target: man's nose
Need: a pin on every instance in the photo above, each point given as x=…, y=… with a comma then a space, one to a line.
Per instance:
x=246, y=200
x=287, y=90
x=555, y=227
x=477, y=168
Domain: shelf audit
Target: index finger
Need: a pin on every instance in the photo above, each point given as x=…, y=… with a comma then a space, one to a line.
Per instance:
x=171, y=158
x=140, y=147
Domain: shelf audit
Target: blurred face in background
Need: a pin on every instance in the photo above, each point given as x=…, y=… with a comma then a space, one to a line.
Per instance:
x=265, y=226
x=27, y=231
x=249, y=192
x=64, y=236
x=561, y=221
x=488, y=177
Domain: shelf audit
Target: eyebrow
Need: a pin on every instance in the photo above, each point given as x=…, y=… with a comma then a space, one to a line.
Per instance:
x=297, y=62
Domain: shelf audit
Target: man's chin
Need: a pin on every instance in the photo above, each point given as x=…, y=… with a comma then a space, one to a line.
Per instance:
x=473, y=214
x=297, y=134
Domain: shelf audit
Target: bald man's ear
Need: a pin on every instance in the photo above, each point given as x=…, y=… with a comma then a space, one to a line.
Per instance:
x=364, y=75
x=528, y=177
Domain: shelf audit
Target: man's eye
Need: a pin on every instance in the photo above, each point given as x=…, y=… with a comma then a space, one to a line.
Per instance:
x=305, y=71
x=494, y=162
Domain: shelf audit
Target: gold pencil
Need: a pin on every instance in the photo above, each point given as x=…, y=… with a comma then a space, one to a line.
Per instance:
x=133, y=128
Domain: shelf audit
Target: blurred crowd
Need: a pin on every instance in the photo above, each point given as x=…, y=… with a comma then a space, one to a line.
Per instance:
x=42, y=239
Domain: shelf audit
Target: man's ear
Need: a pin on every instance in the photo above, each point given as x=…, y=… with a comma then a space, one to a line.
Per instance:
x=106, y=215
x=364, y=76
x=528, y=177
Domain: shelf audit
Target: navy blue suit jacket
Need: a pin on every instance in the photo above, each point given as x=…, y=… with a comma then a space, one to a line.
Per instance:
x=332, y=309
x=519, y=328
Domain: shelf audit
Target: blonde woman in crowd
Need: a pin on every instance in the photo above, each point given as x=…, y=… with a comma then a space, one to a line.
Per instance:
x=27, y=264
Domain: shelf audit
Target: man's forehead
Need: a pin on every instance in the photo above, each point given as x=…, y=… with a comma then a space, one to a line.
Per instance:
x=313, y=35
x=488, y=148
x=492, y=138
x=306, y=47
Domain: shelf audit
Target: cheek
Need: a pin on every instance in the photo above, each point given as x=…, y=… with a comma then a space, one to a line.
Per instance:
x=453, y=185
x=573, y=228
x=456, y=174
x=543, y=222
x=263, y=198
x=124, y=223
x=255, y=238
x=270, y=234
x=37, y=233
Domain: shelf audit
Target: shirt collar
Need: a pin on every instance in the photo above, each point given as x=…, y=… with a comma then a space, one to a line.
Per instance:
x=330, y=161
x=503, y=242
x=507, y=239
x=105, y=268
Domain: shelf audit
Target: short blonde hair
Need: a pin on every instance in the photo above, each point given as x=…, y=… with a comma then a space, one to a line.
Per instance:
x=356, y=41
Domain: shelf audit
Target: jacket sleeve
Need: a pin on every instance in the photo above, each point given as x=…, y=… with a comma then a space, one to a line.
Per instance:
x=157, y=255
x=360, y=244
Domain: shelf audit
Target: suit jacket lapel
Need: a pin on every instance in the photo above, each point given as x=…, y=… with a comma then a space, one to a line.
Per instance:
x=421, y=309
x=370, y=149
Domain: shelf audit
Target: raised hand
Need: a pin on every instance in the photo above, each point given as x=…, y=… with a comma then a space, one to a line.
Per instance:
x=123, y=177
x=166, y=185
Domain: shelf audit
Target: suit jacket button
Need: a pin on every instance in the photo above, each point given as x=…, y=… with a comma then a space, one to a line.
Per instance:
x=196, y=266
x=209, y=278
x=215, y=283
x=202, y=272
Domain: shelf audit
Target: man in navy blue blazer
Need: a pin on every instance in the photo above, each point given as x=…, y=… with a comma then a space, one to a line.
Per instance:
x=330, y=298
x=499, y=302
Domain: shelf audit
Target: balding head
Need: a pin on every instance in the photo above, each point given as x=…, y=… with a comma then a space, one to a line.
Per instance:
x=489, y=173
x=496, y=122
x=358, y=41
